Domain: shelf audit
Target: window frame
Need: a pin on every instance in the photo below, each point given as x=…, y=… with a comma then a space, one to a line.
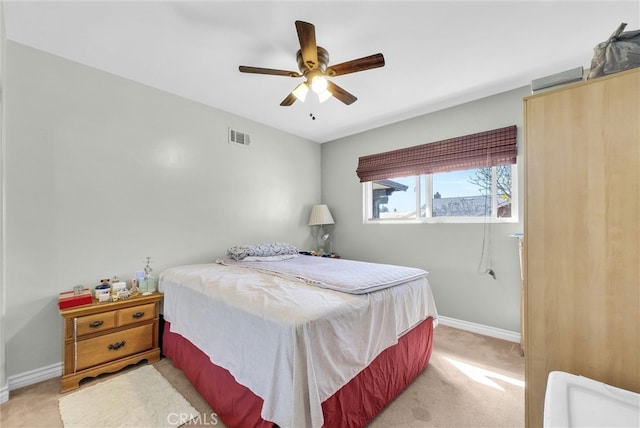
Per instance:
x=428, y=180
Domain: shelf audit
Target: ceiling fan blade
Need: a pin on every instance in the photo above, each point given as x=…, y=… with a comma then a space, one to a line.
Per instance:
x=289, y=100
x=308, y=47
x=260, y=70
x=360, y=64
x=340, y=93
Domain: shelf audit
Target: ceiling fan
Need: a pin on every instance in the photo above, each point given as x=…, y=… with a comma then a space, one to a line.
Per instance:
x=313, y=65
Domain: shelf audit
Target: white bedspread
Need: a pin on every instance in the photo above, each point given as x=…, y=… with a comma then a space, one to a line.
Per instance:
x=293, y=344
x=349, y=276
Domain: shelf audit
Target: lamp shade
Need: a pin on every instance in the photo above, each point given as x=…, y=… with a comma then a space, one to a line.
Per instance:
x=324, y=96
x=320, y=214
x=319, y=84
x=301, y=91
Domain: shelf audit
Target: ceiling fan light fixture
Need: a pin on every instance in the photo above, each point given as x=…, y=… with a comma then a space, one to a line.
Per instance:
x=300, y=92
x=313, y=63
x=324, y=96
x=319, y=84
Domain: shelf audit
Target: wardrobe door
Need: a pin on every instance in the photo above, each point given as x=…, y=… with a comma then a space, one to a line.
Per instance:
x=582, y=235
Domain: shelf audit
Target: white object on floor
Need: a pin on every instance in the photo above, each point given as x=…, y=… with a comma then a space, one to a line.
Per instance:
x=141, y=397
x=577, y=401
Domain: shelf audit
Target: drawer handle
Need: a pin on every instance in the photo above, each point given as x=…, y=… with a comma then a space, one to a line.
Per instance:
x=116, y=346
x=96, y=324
x=138, y=315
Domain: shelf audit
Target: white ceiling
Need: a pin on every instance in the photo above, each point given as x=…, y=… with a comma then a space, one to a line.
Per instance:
x=438, y=53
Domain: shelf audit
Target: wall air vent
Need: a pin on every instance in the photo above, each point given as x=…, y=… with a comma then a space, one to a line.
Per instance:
x=238, y=137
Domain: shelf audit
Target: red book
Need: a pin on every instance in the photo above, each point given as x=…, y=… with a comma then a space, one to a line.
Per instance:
x=69, y=299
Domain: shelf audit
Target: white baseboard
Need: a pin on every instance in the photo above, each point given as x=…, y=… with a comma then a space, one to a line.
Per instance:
x=485, y=330
x=4, y=394
x=35, y=376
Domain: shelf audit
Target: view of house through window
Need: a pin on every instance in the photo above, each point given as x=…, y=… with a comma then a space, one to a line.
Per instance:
x=457, y=196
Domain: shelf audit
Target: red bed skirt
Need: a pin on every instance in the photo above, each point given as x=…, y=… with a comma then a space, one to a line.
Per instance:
x=354, y=405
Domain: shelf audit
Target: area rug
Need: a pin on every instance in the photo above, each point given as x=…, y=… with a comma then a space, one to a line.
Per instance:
x=139, y=398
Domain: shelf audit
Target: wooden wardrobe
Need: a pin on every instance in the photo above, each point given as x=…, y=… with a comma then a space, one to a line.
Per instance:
x=582, y=235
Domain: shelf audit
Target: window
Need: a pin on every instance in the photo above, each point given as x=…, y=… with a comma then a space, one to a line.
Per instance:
x=467, y=196
x=461, y=179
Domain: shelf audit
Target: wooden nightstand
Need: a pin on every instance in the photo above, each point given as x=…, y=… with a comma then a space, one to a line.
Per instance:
x=106, y=337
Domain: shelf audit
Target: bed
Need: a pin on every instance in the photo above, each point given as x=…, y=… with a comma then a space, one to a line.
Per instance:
x=299, y=341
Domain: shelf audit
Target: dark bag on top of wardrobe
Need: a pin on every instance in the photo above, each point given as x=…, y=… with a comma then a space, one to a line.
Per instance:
x=621, y=52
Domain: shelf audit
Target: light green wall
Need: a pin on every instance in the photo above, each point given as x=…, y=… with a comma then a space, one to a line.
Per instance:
x=450, y=252
x=4, y=387
x=102, y=172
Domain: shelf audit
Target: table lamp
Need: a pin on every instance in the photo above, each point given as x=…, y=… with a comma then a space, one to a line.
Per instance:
x=320, y=215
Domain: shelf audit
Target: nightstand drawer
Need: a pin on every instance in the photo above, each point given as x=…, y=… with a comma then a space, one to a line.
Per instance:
x=136, y=314
x=95, y=323
x=113, y=346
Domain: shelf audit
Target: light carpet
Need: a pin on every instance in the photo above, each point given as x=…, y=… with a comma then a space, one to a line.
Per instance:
x=138, y=398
